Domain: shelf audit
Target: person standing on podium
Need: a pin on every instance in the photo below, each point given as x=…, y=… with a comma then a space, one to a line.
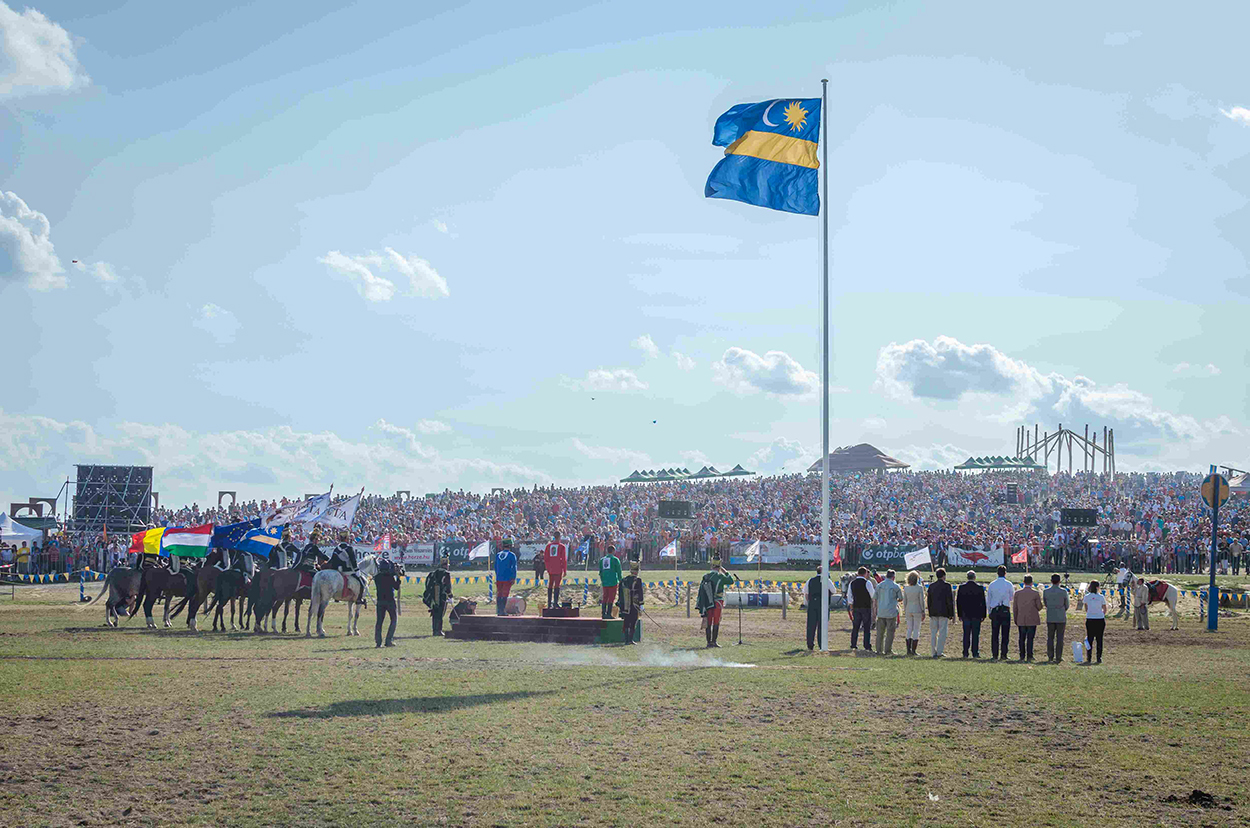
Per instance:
x=505, y=576
x=609, y=580
x=556, y=559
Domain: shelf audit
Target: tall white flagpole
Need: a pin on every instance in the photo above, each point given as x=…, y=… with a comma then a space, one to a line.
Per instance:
x=824, y=367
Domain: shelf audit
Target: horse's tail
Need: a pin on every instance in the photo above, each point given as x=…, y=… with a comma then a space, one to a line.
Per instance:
x=103, y=589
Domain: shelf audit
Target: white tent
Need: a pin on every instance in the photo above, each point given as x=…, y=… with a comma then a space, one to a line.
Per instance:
x=13, y=532
x=1240, y=484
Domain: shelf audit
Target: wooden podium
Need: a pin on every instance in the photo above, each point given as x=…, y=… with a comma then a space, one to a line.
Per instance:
x=562, y=612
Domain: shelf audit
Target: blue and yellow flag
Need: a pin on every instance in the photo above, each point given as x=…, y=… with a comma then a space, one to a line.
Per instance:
x=770, y=155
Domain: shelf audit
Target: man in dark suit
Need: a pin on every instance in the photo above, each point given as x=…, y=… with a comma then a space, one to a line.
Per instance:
x=941, y=600
x=814, y=585
x=970, y=603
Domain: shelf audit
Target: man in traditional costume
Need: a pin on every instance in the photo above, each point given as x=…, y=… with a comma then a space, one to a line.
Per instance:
x=712, y=599
x=438, y=593
x=630, y=601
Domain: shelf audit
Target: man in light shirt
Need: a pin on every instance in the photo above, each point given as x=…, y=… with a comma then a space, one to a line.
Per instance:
x=998, y=601
x=885, y=601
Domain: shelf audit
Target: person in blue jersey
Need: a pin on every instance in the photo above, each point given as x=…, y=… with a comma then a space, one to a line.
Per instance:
x=505, y=575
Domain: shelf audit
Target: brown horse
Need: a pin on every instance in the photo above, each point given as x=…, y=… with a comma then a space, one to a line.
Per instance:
x=205, y=583
x=290, y=585
x=232, y=585
x=159, y=582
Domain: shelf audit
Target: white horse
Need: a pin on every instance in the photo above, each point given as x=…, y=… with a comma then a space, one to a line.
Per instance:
x=330, y=584
x=1169, y=597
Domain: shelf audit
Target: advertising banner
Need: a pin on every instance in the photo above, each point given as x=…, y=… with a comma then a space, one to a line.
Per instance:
x=973, y=557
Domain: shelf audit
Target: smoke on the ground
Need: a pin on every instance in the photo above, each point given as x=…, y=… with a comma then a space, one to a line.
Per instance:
x=640, y=656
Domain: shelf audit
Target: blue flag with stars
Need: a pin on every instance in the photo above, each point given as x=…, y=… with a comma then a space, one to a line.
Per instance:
x=770, y=155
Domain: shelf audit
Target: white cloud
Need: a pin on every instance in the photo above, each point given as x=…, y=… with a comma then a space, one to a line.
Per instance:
x=617, y=456
x=1209, y=370
x=937, y=456
x=780, y=454
x=219, y=323
x=695, y=458
x=423, y=279
x=1007, y=389
x=440, y=226
x=1238, y=113
x=27, y=235
x=102, y=271
x=1120, y=38
x=875, y=423
x=36, y=55
x=611, y=379
x=775, y=373
x=647, y=345
x=432, y=427
x=684, y=362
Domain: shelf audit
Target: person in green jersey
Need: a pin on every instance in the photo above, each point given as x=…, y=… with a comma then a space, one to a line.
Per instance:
x=609, y=580
x=712, y=599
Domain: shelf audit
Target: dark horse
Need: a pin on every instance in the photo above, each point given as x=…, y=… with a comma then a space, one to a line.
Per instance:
x=159, y=582
x=295, y=584
x=232, y=584
x=205, y=583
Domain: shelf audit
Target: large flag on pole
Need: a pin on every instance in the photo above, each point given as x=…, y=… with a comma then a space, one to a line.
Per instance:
x=770, y=155
x=313, y=508
x=186, y=541
x=753, y=552
x=341, y=515
x=482, y=550
x=917, y=558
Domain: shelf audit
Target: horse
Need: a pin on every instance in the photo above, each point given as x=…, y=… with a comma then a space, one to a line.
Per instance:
x=1160, y=591
x=205, y=583
x=231, y=584
x=331, y=584
x=159, y=582
x=122, y=585
x=290, y=585
x=260, y=596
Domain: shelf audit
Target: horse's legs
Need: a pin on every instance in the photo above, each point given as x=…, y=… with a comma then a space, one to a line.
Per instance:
x=286, y=610
x=321, y=617
x=299, y=602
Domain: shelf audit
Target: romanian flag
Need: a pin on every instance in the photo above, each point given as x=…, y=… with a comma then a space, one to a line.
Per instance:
x=187, y=541
x=147, y=542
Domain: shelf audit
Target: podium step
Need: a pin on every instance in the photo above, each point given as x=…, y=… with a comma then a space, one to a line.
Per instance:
x=538, y=629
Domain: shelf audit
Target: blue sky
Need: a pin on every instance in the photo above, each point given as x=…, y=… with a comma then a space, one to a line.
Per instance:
x=463, y=245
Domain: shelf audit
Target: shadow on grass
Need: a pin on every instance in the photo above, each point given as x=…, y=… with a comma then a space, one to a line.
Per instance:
x=416, y=704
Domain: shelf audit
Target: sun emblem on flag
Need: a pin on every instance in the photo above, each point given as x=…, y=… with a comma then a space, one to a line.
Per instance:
x=796, y=116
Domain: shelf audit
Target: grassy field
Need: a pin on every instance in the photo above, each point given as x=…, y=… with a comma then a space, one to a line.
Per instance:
x=133, y=727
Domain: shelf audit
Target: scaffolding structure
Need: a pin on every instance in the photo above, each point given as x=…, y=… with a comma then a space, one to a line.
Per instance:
x=117, y=498
x=1043, y=443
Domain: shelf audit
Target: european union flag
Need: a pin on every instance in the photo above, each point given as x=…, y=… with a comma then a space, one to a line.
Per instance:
x=230, y=535
x=770, y=155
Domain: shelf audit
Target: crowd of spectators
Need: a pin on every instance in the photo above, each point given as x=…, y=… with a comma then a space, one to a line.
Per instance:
x=1155, y=522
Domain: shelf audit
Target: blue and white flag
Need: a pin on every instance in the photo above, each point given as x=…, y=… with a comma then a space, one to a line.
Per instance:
x=231, y=535
x=584, y=549
x=341, y=515
x=260, y=542
x=482, y=550
x=313, y=508
x=669, y=551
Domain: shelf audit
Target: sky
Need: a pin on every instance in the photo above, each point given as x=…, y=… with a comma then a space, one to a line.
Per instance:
x=272, y=247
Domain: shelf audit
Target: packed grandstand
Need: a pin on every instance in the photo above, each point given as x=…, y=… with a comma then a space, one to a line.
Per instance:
x=1154, y=521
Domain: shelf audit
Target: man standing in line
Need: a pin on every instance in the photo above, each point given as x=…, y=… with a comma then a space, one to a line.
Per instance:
x=609, y=580
x=630, y=601
x=556, y=560
x=998, y=599
x=1026, y=605
x=505, y=575
x=1055, y=598
x=1141, y=605
x=712, y=599
x=861, y=589
x=387, y=583
x=970, y=602
x=941, y=599
x=437, y=593
x=885, y=608
x=814, y=585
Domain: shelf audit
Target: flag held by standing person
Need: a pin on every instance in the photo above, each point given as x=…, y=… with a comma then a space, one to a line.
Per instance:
x=669, y=551
x=836, y=554
x=482, y=550
x=753, y=552
x=186, y=541
x=770, y=155
x=918, y=558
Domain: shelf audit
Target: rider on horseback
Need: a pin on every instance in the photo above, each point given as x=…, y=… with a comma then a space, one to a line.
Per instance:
x=344, y=560
x=285, y=553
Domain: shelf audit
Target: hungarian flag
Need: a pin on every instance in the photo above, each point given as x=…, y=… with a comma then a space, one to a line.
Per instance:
x=1022, y=556
x=187, y=541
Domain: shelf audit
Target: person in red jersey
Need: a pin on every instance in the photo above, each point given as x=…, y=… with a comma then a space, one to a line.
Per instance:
x=556, y=557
